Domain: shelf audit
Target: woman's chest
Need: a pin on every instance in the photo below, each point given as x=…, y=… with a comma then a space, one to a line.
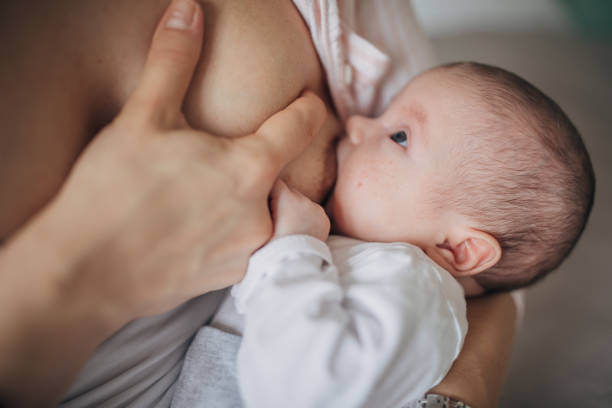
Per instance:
x=257, y=58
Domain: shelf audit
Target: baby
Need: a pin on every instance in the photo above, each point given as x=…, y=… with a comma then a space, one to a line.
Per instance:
x=471, y=181
x=475, y=166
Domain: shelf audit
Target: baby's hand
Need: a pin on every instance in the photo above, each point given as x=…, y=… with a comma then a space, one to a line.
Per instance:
x=293, y=213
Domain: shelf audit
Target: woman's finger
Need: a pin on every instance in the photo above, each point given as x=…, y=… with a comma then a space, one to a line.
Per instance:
x=281, y=138
x=174, y=53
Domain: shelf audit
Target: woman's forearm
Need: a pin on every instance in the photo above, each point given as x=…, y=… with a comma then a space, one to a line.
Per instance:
x=477, y=376
x=48, y=328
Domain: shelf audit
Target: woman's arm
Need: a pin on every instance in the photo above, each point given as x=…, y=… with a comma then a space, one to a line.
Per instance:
x=48, y=328
x=477, y=376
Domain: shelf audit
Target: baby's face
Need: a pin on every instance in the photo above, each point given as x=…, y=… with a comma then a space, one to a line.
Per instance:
x=388, y=188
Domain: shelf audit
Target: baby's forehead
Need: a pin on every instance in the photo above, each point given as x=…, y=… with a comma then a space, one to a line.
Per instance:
x=428, y=89
x=409, y=103
x=416, y=111
x=430, y=99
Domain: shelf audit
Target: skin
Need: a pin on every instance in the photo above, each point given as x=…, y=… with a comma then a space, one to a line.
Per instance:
x=388, y=191
x=56, y=99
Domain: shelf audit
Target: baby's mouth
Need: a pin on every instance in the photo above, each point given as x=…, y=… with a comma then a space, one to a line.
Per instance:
x=331, y=167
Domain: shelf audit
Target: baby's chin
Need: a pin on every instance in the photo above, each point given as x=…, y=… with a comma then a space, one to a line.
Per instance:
x=339, y=224
x=334, y=212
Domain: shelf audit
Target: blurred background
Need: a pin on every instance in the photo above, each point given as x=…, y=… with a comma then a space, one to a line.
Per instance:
x=563, y=351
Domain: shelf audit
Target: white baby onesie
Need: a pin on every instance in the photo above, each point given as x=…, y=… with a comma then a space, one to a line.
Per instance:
x=347, y=324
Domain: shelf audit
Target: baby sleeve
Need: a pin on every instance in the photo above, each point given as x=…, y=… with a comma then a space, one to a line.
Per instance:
x=381, y=334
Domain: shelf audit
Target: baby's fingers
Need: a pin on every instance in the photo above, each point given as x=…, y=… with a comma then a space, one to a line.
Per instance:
x=279, y=189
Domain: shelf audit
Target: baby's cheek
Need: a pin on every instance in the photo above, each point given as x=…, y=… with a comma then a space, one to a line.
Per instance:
x=361, y=206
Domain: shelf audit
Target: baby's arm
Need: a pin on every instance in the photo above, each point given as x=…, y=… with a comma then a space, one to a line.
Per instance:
x=381, y=335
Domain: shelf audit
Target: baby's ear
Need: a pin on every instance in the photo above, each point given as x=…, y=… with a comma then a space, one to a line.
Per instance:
x=466, y=252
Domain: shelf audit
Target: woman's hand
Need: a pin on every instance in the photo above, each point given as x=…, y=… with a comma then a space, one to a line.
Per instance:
x=294, y=213
x=153, y=213
x=158, y=212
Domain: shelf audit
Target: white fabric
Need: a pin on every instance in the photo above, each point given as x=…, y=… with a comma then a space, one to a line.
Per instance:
x=140, y=364
x=369, y=49
x=376, y=326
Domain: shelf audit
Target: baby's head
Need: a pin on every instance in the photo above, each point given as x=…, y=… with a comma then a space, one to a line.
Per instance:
x=477, y=167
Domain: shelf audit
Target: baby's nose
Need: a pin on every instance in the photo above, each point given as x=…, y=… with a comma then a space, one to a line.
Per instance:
x=358, y=128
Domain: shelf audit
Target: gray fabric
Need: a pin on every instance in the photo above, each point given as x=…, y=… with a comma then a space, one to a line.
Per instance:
x=139, y=365
x=209, y=377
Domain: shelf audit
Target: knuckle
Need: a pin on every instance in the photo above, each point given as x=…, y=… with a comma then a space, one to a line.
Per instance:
x=170, y=57
x=255, y=169
x=175, y=45
x=146, y=113
x=141, y=111
x=261, y=150
x=309, y=112
x=298, y=116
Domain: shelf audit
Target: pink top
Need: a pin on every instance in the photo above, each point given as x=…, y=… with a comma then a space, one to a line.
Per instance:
x=369, y=50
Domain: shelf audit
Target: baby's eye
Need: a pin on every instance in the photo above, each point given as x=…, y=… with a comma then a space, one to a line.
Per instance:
x=400, y=138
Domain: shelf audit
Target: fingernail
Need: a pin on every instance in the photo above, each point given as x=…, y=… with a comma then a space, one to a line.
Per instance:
x=182, y=13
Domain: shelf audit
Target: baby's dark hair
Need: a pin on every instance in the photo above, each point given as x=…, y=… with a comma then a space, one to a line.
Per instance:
x=532, y=187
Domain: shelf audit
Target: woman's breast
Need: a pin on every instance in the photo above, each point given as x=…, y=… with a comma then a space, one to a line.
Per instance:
x=257, y=58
